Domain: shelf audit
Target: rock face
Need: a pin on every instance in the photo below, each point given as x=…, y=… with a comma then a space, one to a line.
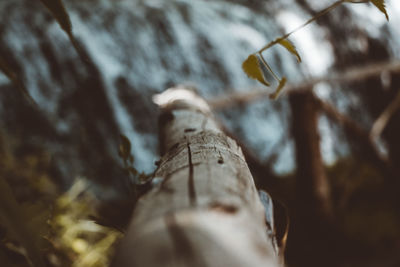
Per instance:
x=134, y=49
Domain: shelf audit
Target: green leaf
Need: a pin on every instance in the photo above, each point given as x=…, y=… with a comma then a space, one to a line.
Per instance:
x=278, y=90
x=290, y=47
x=57, y=8
x=252, y=67
x=124, y=147
x=380, y=4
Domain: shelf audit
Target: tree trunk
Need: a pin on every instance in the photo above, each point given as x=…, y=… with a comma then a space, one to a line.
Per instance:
x=206, y=210
x=312, y=187
x=313, y=234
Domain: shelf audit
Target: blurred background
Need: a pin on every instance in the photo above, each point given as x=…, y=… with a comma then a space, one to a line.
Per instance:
x=327, y=148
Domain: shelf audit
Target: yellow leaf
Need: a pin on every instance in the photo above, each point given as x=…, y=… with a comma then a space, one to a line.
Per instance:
x=278, y=90
x=380, y=4
x=290, y=47
x=251, y=66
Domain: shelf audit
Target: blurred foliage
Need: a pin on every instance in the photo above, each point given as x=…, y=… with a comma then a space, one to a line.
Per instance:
x=39, y=226
x=365, y=209
x=124, y=151
x=116, y=213
x=77, y=240
x=24, y=207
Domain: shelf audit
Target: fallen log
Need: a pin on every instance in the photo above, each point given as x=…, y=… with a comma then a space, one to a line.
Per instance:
x=206, y=210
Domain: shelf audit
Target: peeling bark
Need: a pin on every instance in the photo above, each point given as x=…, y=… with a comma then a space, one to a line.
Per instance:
x=206, y=211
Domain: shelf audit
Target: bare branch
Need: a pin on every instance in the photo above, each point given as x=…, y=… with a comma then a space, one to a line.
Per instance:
x=349, y=75
x=369, y=150
x=381, y=122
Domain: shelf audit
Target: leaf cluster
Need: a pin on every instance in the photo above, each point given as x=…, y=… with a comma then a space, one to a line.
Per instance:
x=255, y=65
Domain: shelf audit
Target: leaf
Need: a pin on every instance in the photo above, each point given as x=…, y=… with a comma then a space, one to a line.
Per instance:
x=57, y=8
x=124, y=147
x=290, y=47
x=278, y=90
x=252, y=67
x=380, y=4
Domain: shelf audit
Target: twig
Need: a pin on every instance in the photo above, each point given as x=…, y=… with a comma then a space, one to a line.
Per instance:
x=381, y=122
x=319, y=14
x=369, y=150
x=350, y=75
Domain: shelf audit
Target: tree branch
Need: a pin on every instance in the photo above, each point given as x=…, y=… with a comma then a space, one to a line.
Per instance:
x=350, y=75
x=381, y=122
x=368, y=148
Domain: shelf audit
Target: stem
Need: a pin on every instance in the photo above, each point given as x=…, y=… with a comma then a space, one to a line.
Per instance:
x=319, y=14
x=269, y=68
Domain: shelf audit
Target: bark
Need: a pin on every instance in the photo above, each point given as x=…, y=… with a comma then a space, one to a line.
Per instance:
x=206, y=210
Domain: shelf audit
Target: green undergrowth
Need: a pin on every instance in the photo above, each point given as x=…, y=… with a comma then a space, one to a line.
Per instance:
x=39, y=224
